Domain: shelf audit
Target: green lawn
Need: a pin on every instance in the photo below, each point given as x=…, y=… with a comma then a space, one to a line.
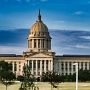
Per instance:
x=46, y=86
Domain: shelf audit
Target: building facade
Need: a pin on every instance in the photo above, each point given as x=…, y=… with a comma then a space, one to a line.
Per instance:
x=40, y=58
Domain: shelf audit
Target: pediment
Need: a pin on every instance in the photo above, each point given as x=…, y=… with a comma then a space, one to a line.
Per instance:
x=41, y=55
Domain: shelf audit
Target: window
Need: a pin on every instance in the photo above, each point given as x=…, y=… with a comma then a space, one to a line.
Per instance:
x=39, y=43
x=15, y=66
x=43, y=43
x=34, y=64
x=34, y=43
x=30, y=64
x=38, y=63
x=47, y=64
x=31, y=43
x=85, y=65
x=47, y=43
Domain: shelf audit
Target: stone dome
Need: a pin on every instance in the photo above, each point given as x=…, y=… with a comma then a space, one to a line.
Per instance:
x=39, y=26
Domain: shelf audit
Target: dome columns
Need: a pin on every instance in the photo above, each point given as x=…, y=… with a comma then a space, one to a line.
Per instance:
x=39, y=44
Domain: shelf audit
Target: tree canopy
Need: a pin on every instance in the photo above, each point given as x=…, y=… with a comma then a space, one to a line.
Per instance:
x=6, y=74
x=51, y=77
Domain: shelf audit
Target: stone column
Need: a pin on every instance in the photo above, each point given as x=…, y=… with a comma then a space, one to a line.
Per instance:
x=28, y=62
x=87, y=65
x=45, y=43
x=83, y=65
x=32, y=43
x=79, y=65
x=49, y=65
x=17, y=68
x=64, y=68
x=60, y=71
x=36, y=67
x=72, y=67
x=68, y=67
x=21, y=68
x=40, y=67
x=32, y=67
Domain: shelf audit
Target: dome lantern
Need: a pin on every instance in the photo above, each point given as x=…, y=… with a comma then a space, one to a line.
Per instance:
x=39, y=26
x=39, y=16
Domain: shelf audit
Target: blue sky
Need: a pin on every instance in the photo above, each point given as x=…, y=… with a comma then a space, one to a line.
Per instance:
x=66, y=19
x=57, y=14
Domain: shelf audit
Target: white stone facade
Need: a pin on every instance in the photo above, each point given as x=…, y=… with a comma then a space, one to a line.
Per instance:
x=63, y=65
x=40, y=57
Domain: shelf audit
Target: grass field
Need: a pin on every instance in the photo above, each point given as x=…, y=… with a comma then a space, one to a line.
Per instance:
x=47, y=86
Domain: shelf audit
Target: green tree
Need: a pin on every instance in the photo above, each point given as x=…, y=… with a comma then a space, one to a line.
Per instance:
x=51, y=77
x=84, y=75
x=6, y=75
x=29, y=79
x=20, y=78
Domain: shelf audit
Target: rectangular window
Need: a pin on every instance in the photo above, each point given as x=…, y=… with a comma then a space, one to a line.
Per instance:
x=34, y=64
x=39, y=43
x=38, y=63
x=43, y=43
x=47, y=43
x=34, y=43
x=15, y=66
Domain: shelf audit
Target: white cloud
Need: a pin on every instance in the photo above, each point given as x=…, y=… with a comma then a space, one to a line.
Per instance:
x=82, y=46
x=12, y=50
x=78, y=12
x=85, y=37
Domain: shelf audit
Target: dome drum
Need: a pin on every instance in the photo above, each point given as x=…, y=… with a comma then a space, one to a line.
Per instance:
x=39, y=38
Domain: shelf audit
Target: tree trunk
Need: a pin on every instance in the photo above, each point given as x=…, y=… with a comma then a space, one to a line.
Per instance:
x=6, y=87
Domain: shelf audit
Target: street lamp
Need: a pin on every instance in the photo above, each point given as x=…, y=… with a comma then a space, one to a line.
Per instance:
x=76, y=64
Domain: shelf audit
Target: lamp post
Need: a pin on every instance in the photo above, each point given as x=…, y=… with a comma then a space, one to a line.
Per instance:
x=76, y=64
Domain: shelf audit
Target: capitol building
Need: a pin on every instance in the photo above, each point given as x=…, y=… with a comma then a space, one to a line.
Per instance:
x=40, y=58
